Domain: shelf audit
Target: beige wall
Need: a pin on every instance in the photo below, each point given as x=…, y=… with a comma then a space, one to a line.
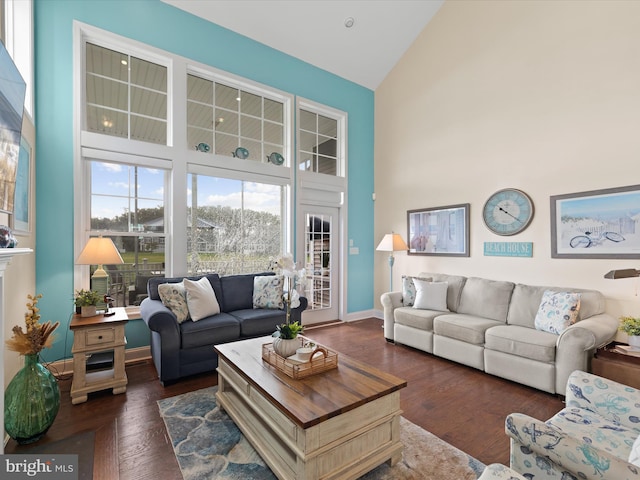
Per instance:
x=20, y=276
x=543, y=96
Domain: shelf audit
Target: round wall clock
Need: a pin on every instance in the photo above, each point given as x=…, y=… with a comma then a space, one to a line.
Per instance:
x=508, y=211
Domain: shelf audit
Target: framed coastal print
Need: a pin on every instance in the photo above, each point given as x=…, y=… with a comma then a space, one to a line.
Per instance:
x=22, y=204
x=439, y=231
x=596, y=224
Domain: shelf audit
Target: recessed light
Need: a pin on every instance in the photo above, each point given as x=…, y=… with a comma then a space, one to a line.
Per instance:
x=348, y=22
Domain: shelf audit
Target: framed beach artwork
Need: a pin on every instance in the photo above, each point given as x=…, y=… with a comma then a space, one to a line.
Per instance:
x=596, y=224
x=22, y=204
x=439, y=231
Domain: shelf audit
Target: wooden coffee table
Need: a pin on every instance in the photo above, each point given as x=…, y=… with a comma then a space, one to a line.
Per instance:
x=338, y=424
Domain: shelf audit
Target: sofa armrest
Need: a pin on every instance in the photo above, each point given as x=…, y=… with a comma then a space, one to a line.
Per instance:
x=612, y=400
x=390, y=301
x=576, y=344
x=159, y=318
x=573, y=454
x=165, y=338
x=296, y=313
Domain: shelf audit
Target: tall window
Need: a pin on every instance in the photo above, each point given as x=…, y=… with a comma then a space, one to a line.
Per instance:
x=227, y=120
x=234, y=226
x=126, y=96
x=127, y=205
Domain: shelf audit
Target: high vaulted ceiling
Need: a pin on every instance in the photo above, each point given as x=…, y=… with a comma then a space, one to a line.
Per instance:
x=314, y=30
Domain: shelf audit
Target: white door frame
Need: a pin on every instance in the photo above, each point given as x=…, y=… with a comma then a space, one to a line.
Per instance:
x=337, y=259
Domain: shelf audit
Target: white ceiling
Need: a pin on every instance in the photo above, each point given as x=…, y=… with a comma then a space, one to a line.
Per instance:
x=314, y=30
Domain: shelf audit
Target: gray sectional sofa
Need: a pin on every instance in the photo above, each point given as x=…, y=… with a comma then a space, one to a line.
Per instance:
x=182, y=349
x=490, y=326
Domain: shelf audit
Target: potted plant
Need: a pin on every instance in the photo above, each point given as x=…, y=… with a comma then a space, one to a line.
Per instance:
x=87, y=300
x=285, y=341
x=631, y=326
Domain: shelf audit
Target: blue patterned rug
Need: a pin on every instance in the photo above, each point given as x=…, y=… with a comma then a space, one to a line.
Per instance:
x=208, y=445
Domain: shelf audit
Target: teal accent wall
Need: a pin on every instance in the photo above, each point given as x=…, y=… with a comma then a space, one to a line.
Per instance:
x=163, y=26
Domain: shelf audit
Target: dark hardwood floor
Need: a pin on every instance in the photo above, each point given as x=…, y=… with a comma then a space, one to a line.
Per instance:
x=461, y=405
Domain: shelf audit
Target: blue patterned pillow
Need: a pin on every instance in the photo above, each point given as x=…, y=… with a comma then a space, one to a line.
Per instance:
x=267, y=291
x=557, y=311
x=174, y=297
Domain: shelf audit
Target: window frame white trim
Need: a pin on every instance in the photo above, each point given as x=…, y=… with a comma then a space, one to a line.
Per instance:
x=18, y=33
x=176, y=156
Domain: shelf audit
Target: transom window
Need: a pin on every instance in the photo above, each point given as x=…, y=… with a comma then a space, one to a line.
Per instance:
x=226, y=120
x=125, y=96
x=318, y=143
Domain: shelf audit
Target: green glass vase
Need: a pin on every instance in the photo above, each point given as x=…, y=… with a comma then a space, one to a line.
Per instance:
x=31, y=402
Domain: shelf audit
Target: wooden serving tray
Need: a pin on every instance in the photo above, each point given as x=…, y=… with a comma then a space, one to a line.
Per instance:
x=297, y=370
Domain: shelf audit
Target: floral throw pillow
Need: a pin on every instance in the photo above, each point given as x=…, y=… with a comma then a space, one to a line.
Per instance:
x=557, y=311
x=409, y=290
x=267, y=291
x=174, y=297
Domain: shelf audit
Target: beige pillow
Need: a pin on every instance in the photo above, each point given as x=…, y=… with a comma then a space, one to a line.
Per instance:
x=431, y=295
x=173, y=296
x=201, y=299
x=409, y=289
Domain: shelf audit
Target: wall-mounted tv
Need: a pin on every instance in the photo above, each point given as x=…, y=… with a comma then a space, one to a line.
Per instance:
x=12, y=92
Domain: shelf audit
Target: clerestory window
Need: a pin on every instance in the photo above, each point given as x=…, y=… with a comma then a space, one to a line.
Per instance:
x=225, y=120
x=125, y=96
x=318, y=143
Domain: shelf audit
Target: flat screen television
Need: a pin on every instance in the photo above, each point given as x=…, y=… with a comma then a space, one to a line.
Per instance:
x=12, y=92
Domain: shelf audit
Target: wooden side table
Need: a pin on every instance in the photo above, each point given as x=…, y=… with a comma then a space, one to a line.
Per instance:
x=93, y=335
x=616, y=366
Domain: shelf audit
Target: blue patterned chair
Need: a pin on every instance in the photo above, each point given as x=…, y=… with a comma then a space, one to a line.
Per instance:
x=592, y=438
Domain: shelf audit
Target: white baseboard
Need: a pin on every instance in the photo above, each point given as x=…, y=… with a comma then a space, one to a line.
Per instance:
x=65, y=367
x=352, y=317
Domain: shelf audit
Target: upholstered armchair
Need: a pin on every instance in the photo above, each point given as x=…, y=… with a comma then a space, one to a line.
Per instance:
x=593, y=437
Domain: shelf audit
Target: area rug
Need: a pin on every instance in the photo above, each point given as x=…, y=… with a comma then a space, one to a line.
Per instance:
x=208, y=445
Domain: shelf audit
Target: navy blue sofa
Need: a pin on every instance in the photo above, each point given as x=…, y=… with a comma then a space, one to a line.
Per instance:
x=179, y=350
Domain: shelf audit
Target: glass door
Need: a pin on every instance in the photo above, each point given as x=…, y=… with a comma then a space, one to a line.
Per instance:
x=321, y=250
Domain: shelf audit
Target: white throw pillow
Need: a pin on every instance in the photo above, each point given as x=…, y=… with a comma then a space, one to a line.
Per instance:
x=201, y=298
x=173, y=296
x=557, y=311
x=634, y=456
x=409, y=290
x=431, y=295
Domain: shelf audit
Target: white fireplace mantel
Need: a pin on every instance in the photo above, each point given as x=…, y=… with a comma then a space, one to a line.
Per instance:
x=6, y=254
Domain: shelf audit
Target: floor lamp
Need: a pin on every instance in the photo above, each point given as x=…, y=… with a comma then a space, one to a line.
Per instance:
x=392, y=242
x=100, y=251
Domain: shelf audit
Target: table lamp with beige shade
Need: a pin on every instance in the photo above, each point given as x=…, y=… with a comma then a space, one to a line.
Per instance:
x=100, y=251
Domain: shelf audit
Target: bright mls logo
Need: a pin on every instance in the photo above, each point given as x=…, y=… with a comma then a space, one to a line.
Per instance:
x=50, y=467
